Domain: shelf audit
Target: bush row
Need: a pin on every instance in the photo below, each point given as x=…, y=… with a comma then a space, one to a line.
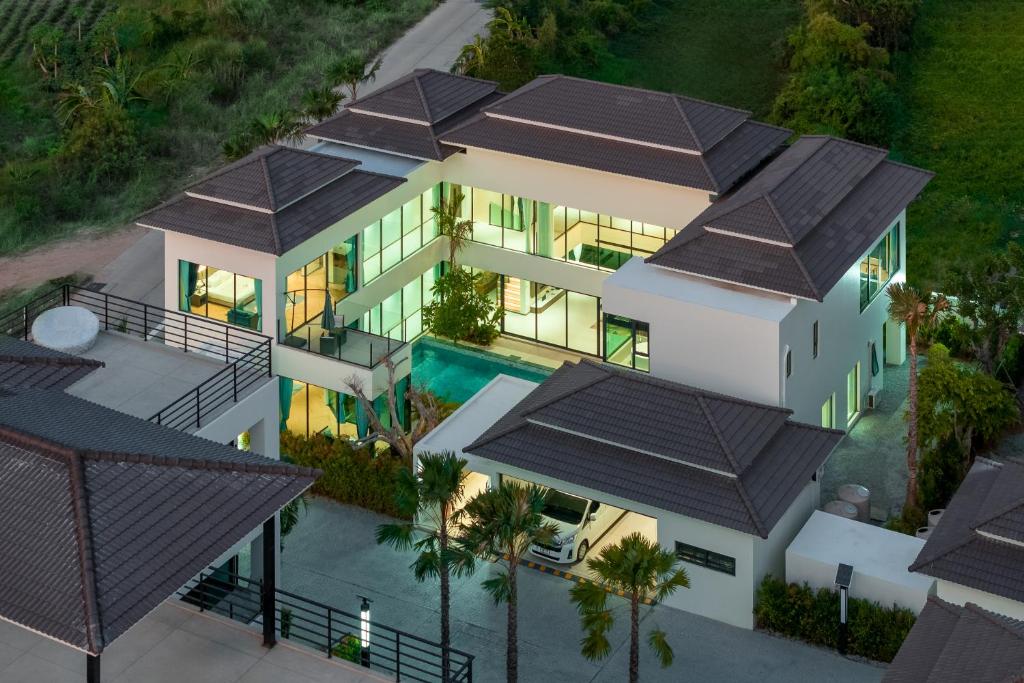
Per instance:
x=875, y=632
x=350, y=475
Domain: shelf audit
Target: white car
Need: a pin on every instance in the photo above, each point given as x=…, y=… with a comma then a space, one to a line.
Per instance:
x=581, y=523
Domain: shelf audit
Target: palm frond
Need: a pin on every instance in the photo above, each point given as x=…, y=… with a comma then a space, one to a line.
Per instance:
x=658, y=642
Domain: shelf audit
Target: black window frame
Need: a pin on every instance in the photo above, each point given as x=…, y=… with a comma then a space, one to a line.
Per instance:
x=709, y=559
x=789, y=363
x=814, y=340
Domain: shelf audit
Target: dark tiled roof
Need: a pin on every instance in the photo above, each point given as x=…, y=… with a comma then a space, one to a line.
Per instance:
x=312, y=205
x=111, y=517
x=713, y=457
x=977, y=542
x=23, y=365
x=951, y=644
x=273, y=177
x=799, y=223
x=426, y=95
x=415, y=140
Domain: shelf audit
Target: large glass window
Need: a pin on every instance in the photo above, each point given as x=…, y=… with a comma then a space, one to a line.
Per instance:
x=400, y=316
x=879, y=266
x=220, y=294
x=560, y=232
x=306, y=290
x=828, y=412
x=399, y=234
x=308, y=409
x=627, y=342
x=853, y=394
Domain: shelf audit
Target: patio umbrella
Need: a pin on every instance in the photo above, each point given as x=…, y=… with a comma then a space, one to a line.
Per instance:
x=327, y=322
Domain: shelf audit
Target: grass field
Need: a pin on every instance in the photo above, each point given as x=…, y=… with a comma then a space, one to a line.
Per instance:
x=726, y=51
x=961, y=82
x=17, y=17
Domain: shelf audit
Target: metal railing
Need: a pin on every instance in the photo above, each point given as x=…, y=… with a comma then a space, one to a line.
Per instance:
x=247, y=353
x=364, y=349
x=328, y=630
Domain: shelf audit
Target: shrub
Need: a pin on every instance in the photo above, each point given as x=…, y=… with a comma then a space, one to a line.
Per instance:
x=460, y=312
x=348, y=648
x=890, y=20
x=939, y=473
x=798, y=611
x=350, y=475
x=102, y=146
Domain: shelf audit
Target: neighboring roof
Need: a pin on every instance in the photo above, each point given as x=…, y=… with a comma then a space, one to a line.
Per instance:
x=799, y=224
x=950, y=644
x=24, y=364
x=713, y=457
x=628, y=131
x=272, y=200
x=979, y=542
x=105, y=515
x=408, y=116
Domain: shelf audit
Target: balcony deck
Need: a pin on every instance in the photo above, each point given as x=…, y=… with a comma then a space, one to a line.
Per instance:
x=358, y=348
x=174, y=643
x=140, y=378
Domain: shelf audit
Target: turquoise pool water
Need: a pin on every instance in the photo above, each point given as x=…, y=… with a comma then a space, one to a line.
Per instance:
x=457, y=374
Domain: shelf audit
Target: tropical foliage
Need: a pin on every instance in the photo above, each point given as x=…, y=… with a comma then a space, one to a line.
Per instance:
x=641, y=570
x=504, y=523
x=431, y=498
x=459, y=311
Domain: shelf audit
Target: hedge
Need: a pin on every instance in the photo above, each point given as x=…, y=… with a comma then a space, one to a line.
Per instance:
x=875, y=632
x=350, y=475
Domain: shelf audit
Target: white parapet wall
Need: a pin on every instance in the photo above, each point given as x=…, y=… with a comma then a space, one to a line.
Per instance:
x=879, y=558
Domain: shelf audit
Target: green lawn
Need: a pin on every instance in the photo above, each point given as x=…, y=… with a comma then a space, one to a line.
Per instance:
x=961, y=82
x=726, y=51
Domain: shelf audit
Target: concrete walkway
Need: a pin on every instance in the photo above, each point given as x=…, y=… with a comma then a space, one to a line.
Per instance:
x=435, y=42
x=873, y=453
x=332, y=556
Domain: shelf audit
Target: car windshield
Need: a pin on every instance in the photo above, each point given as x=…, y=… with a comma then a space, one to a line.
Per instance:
x=563, y=507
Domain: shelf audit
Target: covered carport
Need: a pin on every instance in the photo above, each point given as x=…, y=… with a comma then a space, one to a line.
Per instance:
x=106, y=516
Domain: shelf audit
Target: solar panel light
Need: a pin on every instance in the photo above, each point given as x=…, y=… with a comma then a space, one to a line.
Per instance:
x=844, y=577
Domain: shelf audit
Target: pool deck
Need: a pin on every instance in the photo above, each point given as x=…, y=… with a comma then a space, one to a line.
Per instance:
x=531, y=352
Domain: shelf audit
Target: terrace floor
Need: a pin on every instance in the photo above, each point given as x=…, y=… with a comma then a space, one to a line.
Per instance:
x=174, y=643
x=141, y=377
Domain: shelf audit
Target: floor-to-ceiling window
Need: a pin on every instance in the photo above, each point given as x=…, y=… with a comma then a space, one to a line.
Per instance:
x=879, y=266
x=399, y=234
x=400, y=316
x=543, y=313
x=828, y=412
x=220, y=294
x=627, y=342
x=542, y=229
x=333, y=274
x=853, y=393
x=308, y=409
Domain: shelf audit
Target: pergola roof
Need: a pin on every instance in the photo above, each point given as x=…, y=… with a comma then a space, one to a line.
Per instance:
x=101, y=527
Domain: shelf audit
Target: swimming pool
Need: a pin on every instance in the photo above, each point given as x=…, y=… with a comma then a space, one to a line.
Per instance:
x=457, y=373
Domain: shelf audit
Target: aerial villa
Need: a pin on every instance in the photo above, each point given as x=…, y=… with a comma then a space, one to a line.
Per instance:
x=678, y=240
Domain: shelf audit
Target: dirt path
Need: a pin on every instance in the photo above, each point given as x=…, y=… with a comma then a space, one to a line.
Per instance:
x=84, y=253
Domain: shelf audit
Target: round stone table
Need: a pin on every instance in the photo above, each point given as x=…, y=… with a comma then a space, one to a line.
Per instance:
x=71, y=329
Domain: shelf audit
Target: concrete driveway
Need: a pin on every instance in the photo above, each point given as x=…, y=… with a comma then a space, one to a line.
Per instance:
x=331, y=556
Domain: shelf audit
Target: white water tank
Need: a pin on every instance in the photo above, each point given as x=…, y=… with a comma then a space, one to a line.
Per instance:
x=841, y=508
x=859, y=497
x=924, y=532
x=934, y=516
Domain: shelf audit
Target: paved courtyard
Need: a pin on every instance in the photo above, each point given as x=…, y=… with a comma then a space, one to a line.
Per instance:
x=332, y=557
x=874, y=453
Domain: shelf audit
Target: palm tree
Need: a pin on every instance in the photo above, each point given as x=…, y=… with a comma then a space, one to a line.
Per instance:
x=451, y=224
x=431, y=499
x=352, y=71
x=120, y=83
x=320, y=103
x=74, y=100
x=471, y=58
x=274, y=127
x=505, y=522
x=642, y=570
x=917, y=311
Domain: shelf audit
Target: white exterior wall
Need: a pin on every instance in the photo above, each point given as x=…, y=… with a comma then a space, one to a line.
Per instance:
x=662, y=204
x=770, y=553
x=957, y=594
x=845, y=335
x=259, y=414
x=229, y=257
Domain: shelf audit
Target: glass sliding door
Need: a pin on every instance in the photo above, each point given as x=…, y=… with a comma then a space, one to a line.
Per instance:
x=546, y=314
x=853, y=394
x=220, y=294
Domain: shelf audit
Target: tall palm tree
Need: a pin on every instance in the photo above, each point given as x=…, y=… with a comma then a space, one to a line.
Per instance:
x=471, y=58
x=320, y=103
x=451, y=224
x=505, y=522
x=352, y=71
x=430, y=500
x=642, y=570
x=917, y=311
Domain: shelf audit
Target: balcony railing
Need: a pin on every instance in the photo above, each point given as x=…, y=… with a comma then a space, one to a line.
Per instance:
x=350, y=346
x=333, y=632
x=246, y=353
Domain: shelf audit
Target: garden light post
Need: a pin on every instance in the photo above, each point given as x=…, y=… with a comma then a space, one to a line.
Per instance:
x=844, y=577
x=364, y=631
